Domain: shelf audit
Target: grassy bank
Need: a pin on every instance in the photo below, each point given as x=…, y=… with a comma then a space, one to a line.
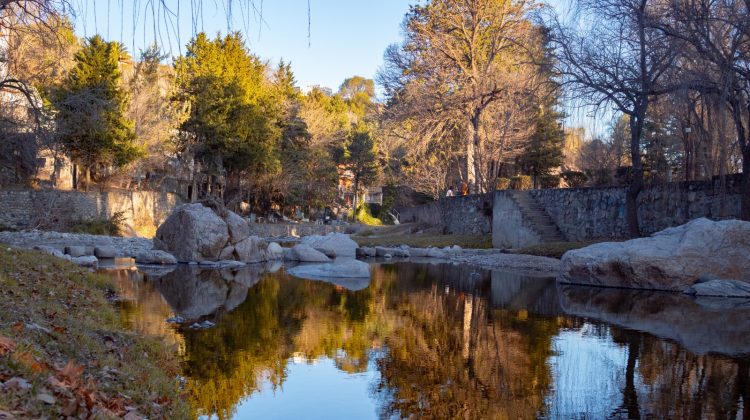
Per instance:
x=64, y=351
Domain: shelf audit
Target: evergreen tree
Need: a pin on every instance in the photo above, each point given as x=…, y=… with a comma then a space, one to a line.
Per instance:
x=232, y=126
x=545, y=149
x=360, y=157
x=91, y=106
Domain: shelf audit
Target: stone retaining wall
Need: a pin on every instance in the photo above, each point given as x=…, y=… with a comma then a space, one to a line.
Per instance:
x=594, y=213
x=463, y=215
x=143, y=211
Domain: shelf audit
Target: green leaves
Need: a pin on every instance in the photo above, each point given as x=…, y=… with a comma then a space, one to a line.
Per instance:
x=91, y=108
x=233, y=111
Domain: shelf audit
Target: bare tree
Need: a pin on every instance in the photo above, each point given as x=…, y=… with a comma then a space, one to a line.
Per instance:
x=610, y=55
x=717, y=34
x=464, y=67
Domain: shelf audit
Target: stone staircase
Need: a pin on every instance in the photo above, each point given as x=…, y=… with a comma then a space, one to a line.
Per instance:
x=535, y=215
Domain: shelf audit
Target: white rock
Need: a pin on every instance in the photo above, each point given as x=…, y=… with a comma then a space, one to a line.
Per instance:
x=418, y=252
x=344, y=269
x=435, y=253
x=721, y=288
x=274, y=252
x=672, y=259
x=86, y=261
x=155, y=256
x=333, y=244
x=106, y=252
x=306, y=253
x=76, y=251
x=50, y=250
x=393, y=252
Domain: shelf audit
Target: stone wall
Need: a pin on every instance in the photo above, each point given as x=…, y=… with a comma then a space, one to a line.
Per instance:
x=463, y=215
x=594, y=213
x=143, y=211
x=510, y=229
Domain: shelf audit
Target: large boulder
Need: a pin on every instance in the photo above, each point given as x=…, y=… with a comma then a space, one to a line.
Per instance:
x=672, y=259
x=274, y=252
x=238, y=227
x=333, y=245
x=349, y=269
x=251, y=250
x=306, y=253
x=193, y=232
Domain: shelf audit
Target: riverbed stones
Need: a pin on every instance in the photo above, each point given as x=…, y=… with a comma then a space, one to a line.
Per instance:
x=393, y=252
x=672, y=259
x=333, y=245
x=193, y=232
x=720, y=288
x=306, y=253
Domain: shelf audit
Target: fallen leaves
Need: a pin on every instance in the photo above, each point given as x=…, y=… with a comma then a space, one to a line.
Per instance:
x=7, y=345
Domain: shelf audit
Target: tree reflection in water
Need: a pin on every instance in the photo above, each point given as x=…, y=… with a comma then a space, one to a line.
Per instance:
x=448, y=341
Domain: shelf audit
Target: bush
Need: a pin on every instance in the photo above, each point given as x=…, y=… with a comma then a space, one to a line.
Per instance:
x=107, y=227
x=549, y=181
x=521, y=182
x=575, y=179
x=502, y=183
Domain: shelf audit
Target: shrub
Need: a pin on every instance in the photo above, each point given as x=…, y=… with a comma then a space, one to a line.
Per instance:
x=575, y=179
x=502, y=183
x=520, y=182
x=549, y=181
x=108, y=227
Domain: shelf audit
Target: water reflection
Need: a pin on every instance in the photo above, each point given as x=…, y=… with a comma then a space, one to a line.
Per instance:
x=444, y=341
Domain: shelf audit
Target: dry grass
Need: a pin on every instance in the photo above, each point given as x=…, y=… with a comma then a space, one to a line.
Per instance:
x=64, y=350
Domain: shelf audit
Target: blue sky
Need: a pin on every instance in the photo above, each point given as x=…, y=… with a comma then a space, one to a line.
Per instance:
x=347, y=38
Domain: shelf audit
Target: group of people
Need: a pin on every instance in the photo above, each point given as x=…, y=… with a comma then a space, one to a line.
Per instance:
x=464, y=190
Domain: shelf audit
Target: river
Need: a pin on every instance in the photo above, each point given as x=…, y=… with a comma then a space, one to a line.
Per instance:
x=441, y=341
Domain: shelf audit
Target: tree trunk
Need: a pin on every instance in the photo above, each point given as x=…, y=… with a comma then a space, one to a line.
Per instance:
x=745, y=191
x=88, y=177
x=356, y=197
x=636, y=177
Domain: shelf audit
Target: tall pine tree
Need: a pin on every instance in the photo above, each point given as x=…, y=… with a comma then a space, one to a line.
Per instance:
x=90, y=109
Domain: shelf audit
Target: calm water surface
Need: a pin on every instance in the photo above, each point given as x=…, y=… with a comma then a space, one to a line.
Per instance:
x=443, y=341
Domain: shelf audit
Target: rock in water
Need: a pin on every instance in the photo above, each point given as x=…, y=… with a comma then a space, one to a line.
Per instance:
x=155, y=256
x=306, y=253
x=333, y=245
x=251, y=250
x=193, y=232
x=721, y=288
x=349, y=269
x=274, y=252
x=672, y=259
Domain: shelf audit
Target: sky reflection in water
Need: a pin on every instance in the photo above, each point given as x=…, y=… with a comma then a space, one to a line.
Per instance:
x=443, y=341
